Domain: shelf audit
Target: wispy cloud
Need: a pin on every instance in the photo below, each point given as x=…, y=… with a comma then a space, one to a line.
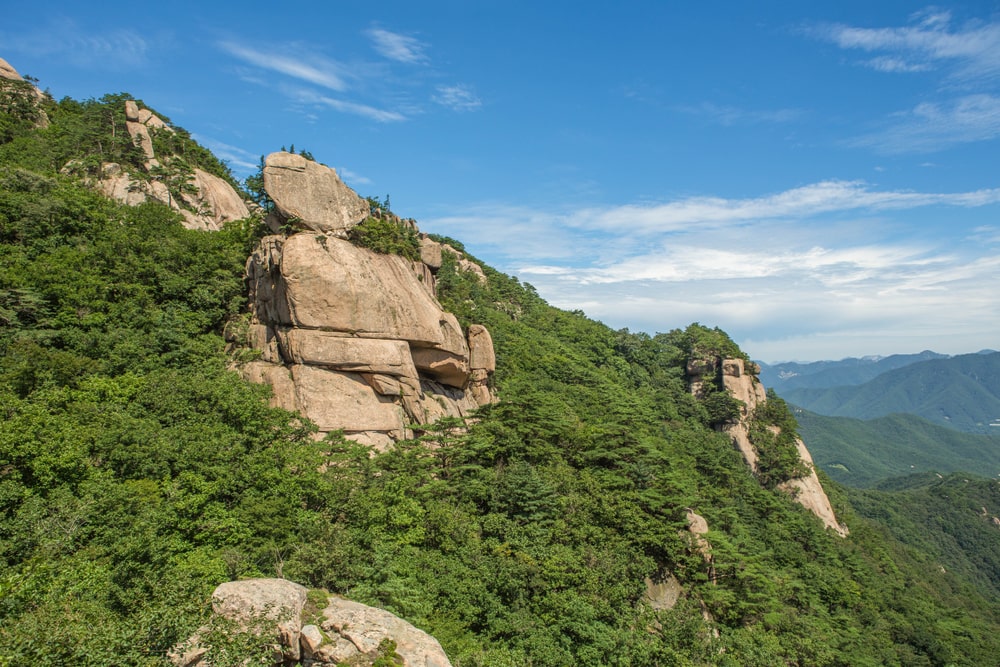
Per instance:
x=353, y=177
x=929, y=40
x=458, y=97
x=239, y=160
x=933, y=126
x=344, y=106
x=64, y=38
x=398, y=47
x=809, y=200
x=729, y=115
x=313, y=68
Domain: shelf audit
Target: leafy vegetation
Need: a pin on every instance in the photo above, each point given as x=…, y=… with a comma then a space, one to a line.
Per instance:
x=387, y=235
x=773, y=432
x=863, y=453
x=137, y=472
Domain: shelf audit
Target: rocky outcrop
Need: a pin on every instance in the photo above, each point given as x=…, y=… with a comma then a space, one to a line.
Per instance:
x=312, y=629
x=354, y=340
x=739, y=379
x=22, y=94
x=310, y=196
x=206, y=201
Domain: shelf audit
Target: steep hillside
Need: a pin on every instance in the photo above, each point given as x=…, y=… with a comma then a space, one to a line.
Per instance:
x=961, y=392
x=862, y=453
x=952, y=520
x=597, y=513
x=824, y=374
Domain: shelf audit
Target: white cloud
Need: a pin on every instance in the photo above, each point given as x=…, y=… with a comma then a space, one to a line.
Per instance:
x=394, y=46
x=313, y=68
x=809, y=200
x=458, y=97
x=239, y=160
x=973, y=48
x=344, y=106
x=778, y=272
x=931, y=126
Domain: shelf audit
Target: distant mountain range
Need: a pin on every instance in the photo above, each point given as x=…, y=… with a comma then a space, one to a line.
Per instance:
x=961, y=392
x=851, y=371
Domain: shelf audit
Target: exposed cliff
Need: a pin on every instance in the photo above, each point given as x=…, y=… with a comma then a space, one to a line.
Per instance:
x=739, y=380
x=352, y=338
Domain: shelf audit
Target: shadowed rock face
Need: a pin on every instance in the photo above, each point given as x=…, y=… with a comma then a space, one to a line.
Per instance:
x=741, y=382
x=354, y=339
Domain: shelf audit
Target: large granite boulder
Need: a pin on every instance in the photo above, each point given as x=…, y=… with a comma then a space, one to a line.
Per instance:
x=348, y=632
x=311, y=196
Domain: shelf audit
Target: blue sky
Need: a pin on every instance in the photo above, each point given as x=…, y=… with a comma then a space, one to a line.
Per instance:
x=818, y=181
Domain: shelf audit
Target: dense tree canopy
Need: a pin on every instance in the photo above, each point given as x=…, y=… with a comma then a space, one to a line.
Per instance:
x=137, y=472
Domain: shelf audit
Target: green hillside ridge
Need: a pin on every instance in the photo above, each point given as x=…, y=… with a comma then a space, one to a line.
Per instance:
x=950, y=520
x=137, y=471
x=862, y=453
x=961, y=392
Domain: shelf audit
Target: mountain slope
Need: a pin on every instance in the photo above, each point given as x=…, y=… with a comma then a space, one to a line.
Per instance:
x=961, y=392
x=137, y=471
x=952, y=520
x=864, y=452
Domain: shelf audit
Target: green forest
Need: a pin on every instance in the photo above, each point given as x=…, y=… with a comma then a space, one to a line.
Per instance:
x=138, y=470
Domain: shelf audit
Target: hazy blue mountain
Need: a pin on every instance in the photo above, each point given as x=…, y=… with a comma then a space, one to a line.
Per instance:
x=821, y=374
x=961, y=392
x=864, y=453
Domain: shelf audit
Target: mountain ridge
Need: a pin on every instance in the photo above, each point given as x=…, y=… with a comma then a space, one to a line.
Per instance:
x=139, y=471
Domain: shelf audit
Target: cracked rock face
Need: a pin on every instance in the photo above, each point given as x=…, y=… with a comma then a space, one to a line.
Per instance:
x=310, y=196
x=354, y=340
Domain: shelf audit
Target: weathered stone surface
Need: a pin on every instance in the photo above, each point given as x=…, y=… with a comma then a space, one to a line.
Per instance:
x=808, y=492
x=280, y=379
x=311, y=196
x=376, y=440
x=740, y=380
x=215, y=201
x=366, y=627
x=430, y=253
x=267, y=287
x=338, y=351
x=344, y=401
x=250, y=599
x=354, y=631
x=8, y=72
x=334, y=285
x=481, y=354
x=140, y=137
x=310, y=640
x=445, y=367
x=663, y=592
